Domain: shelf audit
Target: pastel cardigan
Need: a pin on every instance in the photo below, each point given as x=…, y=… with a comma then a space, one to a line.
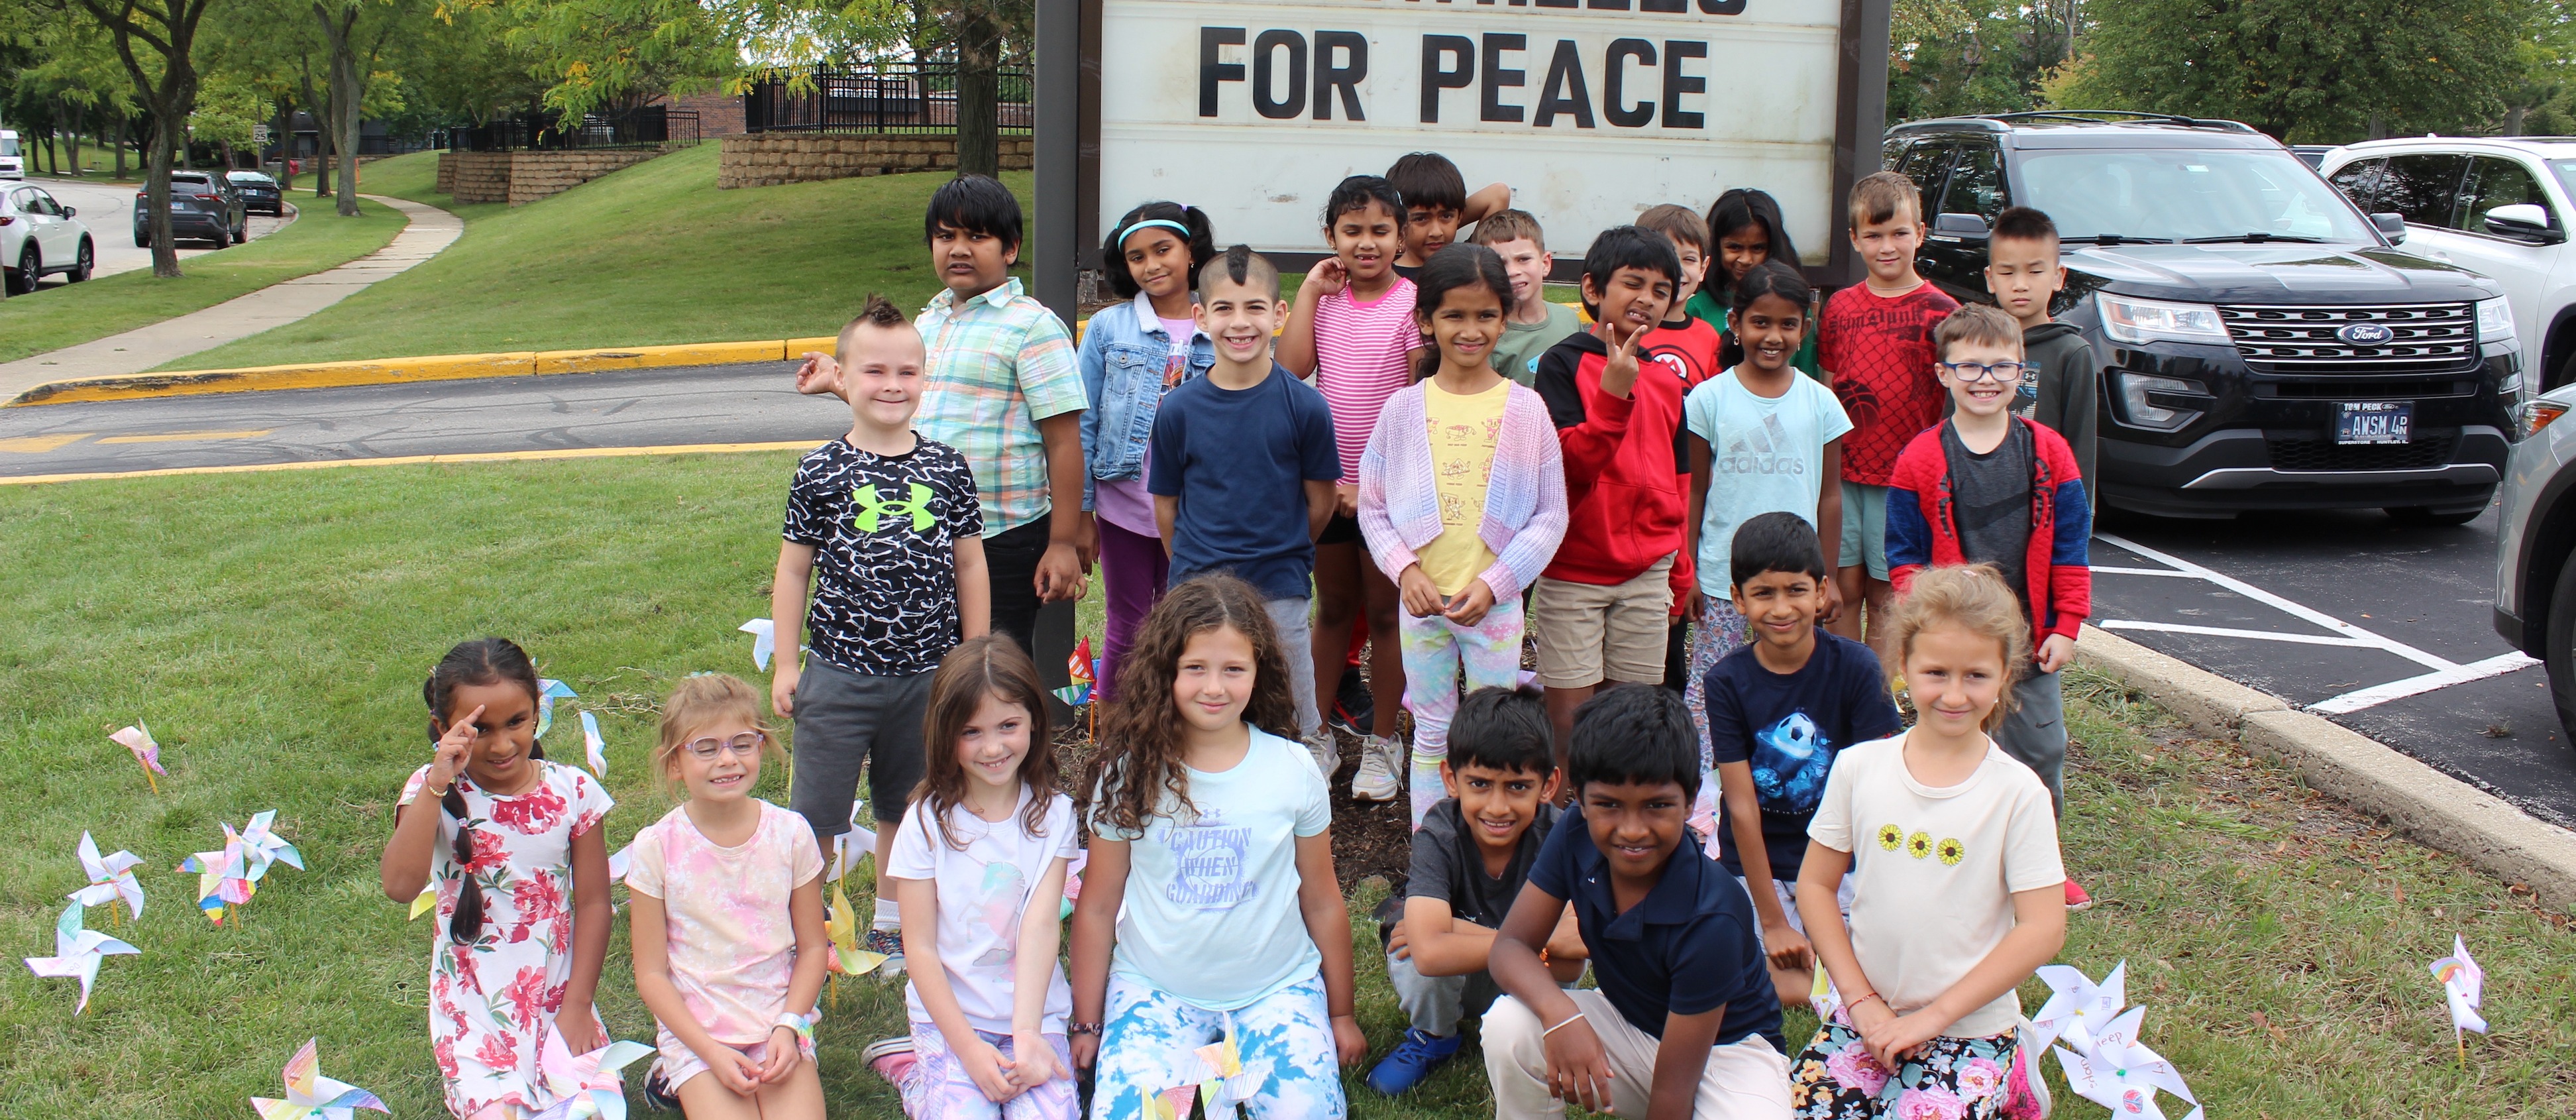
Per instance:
x=1399, y=504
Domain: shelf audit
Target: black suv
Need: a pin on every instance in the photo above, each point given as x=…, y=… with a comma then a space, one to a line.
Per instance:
x=2264, y=345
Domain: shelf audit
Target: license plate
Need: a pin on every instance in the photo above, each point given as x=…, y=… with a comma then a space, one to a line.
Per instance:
x=2374, y=421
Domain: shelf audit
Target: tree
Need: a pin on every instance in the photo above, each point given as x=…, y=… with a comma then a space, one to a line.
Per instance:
x=357, y=32
x=156, y=40
x=2309, y=71
x=1973, y=56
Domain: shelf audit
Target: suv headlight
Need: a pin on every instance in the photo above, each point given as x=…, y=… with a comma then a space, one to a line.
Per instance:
x=2139, y=410
x=2125, y=319
x=2495, y=324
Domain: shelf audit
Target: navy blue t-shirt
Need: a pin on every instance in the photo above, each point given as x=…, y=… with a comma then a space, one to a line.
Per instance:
x=1790, y=726
x=1684, y=949
x=1239, y=461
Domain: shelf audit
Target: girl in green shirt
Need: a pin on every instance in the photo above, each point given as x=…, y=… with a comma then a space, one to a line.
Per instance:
x=1746, y=228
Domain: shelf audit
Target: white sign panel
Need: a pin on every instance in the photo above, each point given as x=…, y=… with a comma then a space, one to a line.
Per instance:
x=1592, y=113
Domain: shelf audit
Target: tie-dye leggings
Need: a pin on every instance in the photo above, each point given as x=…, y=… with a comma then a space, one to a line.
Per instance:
x=939, y=1088
x=1286, y=1037
x=1436, y=652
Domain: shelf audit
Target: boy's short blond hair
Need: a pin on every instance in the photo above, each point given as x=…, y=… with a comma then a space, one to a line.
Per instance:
x=1877, y=197
x=878, y=311
x=1509, y=225
x=1977, y=324
x=1680, y=223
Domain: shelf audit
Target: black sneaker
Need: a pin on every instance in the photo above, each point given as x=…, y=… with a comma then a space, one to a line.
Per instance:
x=1354, y=707
x=657, y=1094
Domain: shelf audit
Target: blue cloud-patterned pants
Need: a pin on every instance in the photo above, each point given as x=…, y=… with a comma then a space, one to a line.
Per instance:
x=1151, y=1040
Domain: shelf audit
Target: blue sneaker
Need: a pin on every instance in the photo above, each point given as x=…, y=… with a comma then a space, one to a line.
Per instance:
x=1412, y=1060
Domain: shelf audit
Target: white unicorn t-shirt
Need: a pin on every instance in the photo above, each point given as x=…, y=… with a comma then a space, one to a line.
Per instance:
x=984, y=888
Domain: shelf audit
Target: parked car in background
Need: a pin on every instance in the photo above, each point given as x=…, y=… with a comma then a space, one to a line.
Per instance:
x=40, y=236
x=259, y=193
x=2264, y=344
x=2498, y=206
x=2535, y=600
x=203, y=207
x=13, y=162
x=2311, y=154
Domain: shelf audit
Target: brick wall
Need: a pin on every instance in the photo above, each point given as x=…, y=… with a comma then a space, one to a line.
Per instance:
x=764, y=159
x=519, y=178
x=476, y=176
x=719, y=114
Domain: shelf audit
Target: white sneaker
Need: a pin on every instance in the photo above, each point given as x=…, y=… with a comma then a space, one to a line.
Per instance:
x=1327, y=752
x=1381, y=764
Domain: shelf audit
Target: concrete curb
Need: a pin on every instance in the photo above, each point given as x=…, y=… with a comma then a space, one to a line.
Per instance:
x=395, y=371
x=2428, y=805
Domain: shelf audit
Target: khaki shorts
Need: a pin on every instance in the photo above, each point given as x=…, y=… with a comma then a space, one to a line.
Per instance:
x=1588, y=632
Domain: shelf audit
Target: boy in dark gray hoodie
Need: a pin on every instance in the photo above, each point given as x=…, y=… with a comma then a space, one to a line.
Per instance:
x=2058, y=380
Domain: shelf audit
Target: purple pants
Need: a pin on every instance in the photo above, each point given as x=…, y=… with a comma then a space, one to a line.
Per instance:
x=1133, y=571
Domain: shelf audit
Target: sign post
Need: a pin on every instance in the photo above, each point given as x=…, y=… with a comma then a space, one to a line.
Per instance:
x=1592, y=110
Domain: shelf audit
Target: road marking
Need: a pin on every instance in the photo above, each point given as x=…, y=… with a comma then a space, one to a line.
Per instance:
x=38, y=445
x=417, y=460
x=2445, y=672
x=188, y=437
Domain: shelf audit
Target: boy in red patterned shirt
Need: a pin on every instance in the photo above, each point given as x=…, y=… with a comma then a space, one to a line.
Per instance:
x=1875, y=341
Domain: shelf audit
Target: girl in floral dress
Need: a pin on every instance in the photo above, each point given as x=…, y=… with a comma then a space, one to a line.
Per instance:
x=511, y=843
x=1956, y=879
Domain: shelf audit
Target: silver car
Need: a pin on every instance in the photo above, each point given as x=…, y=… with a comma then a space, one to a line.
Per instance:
x=2535, y=604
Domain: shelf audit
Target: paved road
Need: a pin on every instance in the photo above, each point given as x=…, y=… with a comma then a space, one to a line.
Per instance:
x=2381, y=626
x=108, y=210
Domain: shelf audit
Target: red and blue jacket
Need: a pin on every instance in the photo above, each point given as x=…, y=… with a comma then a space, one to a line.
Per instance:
x=1923, y=527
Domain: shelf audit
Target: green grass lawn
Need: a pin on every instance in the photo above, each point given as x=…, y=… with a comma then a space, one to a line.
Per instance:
x=274, y=629
x=65, y=314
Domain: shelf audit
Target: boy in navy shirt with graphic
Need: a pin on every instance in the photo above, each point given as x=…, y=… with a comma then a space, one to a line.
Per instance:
x=1779, y=708
x=1685, y=1023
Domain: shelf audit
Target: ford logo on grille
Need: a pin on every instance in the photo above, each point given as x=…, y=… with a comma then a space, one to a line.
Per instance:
x=2366, y=334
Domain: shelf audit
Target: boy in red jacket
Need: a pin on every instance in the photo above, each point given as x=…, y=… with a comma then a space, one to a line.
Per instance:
x=1600, y=609
x=1988, y=487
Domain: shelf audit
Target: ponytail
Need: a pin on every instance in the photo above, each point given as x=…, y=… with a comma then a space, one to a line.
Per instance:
x=1196, y=230
x=481, y=661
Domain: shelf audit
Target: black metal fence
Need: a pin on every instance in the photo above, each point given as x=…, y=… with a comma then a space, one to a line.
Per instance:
x=893, y=97
x=650, y=126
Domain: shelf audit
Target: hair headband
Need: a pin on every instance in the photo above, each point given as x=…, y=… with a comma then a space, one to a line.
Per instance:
x=1151, y=223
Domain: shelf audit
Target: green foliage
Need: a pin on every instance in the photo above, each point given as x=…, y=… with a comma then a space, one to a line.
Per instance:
x=1950, y=57
x=227, y=107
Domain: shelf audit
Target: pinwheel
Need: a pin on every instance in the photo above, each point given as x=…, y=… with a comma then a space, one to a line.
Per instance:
x=76, y=953
x=262, y=847
x=585, y=1085
x=764, y=640
x=147, y=753
x=311, y=1096
x=841, y=924
x=1078, y=669
x=110, y=878
x=2463, y=987
x=223, y=876
x=549, y=691
x=597, y=746
x=2077, y=1007
x=2121, y=1074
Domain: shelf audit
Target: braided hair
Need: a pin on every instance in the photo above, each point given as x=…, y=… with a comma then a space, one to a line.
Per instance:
x=482, y=661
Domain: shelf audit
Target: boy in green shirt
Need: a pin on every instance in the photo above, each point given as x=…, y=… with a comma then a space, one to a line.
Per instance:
x=1534, y=324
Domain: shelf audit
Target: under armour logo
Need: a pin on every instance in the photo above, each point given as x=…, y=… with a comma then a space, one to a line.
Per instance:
x=872, y=509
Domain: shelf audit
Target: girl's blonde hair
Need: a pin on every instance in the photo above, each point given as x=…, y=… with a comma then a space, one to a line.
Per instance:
x=702, y=700
x=1974, y=598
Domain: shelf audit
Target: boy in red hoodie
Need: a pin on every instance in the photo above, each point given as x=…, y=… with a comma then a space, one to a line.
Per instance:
x=1600, y=609
x=1989, y=487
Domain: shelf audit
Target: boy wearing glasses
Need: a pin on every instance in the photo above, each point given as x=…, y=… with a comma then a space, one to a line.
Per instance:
x=885, y=526
x=1988, y=487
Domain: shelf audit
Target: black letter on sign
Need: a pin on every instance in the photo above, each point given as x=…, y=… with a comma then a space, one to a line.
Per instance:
x=1262, y=49
x=1436, y=77
x=1565, y=90
x=1613, y=5
x=1663, y=5
x=1559, y=3
x=1211, y=71
x=1496, y=78
x=1329, y=77
x=1722, y=7
x=1614, y=85
x=1677, y=83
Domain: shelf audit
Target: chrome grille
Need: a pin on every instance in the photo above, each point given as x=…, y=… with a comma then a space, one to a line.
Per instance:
x=2423, y=337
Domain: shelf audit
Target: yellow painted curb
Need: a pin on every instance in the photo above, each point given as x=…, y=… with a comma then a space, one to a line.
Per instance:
x=417, y=460
x=641, y=357
x=796, y=347
x=316, y=375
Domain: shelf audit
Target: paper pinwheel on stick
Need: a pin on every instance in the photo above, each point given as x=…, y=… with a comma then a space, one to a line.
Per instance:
x=229, y=876
x=1083, y=672
x=110, y=878
x=849, y=846
x=594, y=744
x=764, y=640
x=311, y=1096
x=841, y=924
x=2121, y=1074
x=2077, y=1007
x=548, y=691
x=263, y=847
x=585, y=1085
x=2463, y=987
x=147, y=753
x=76, y=953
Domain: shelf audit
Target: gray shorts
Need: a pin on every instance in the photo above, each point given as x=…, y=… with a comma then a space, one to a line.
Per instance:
x=845, y=720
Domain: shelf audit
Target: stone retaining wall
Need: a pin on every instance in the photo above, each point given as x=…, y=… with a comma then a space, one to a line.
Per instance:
x=519, y=178
x=764, y=159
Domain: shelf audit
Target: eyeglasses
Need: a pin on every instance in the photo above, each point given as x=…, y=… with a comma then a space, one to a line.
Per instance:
x=1971, y=372
x=746, y=744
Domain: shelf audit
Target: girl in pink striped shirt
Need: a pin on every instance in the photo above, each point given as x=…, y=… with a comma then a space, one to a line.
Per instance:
x=1353, y=330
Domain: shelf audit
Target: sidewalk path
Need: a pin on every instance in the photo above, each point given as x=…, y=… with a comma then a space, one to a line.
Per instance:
x=431, y=230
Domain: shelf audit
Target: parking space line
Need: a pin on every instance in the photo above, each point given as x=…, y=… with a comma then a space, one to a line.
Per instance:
x=2445, y=672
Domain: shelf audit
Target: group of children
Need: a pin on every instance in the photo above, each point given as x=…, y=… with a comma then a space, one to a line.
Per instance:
x=1691, y=508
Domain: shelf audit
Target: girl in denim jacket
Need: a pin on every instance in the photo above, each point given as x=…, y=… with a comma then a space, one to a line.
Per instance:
x=1130, y=355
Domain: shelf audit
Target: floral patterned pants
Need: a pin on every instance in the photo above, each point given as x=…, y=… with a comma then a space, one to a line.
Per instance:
x=1834, y=1078
x=1436, y=652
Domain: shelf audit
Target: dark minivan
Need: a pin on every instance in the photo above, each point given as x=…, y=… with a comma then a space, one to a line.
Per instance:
x=2264, y=345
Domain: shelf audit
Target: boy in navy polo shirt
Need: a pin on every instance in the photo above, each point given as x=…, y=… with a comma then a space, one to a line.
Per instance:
x=1685, y=1023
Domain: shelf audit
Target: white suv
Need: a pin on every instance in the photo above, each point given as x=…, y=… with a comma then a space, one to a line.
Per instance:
x=12, y=161
x=2497, y=206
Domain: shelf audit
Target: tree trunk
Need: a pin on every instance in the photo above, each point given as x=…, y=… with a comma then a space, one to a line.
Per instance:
x=156, y=192
x=2513, y=120
x=979, y=141
x=347, y=90
x=124, y=130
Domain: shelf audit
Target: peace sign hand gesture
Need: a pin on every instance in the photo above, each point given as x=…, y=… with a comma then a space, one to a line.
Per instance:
x=1619, y=375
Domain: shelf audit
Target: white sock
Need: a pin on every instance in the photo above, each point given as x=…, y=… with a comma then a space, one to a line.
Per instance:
x=888, y=917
